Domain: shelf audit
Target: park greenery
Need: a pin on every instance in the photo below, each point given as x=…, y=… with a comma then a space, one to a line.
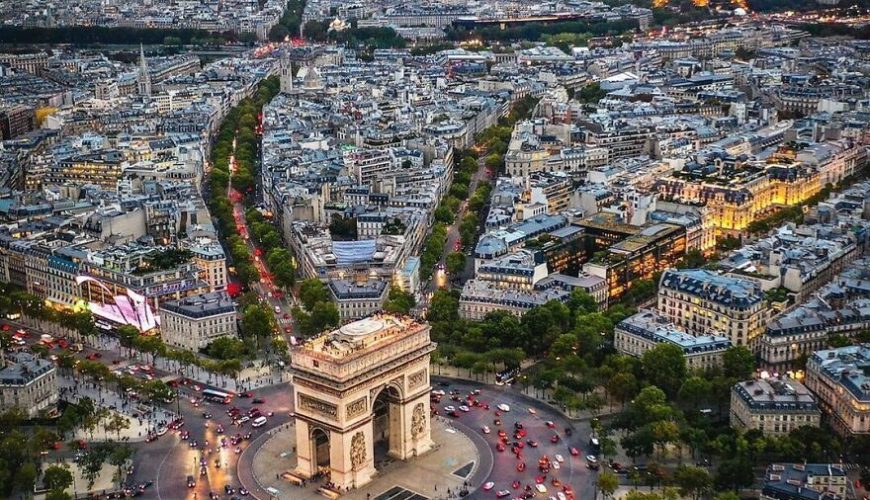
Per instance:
x=531, y=32
x=92, y=35
x=290, y=22
x=318, y=313
x=399, y=301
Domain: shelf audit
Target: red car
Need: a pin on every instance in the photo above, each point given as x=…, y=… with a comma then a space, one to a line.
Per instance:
x=574, y=451
x=521, y=467
x=499, y=447
x=554, y=438
x=550, y=424
x=515, y=485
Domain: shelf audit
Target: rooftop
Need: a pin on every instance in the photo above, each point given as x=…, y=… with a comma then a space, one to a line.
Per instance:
x=201, y=306
x=22, y=369
x=777, y=395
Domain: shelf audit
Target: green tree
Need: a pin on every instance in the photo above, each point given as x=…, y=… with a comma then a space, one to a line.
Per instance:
x=607, y=483
x=56, y=477
x=693, y=481
x=226, y=348
x=738, y=362
x=312, y=291
x=665, y=366
x=257, y=321
x=399, y=301
x=118, y=456
x=455, y=263
x=694, y=392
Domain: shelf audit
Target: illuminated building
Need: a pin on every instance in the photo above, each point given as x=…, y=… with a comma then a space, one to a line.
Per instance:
x=705, y=302
x=195, y=321
x=102, y=169
x=839, y=379
x=774, y=407
x=208, y=255
x=648, y=250
x=736, y=193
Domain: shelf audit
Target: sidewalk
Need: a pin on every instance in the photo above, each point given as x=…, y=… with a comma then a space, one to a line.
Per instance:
x=74, y=390
x=429, y=475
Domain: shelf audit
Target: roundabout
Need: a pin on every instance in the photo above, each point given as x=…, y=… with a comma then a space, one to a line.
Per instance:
x=453, y=462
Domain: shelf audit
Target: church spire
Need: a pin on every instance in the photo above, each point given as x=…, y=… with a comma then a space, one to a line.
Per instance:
x=144, y=76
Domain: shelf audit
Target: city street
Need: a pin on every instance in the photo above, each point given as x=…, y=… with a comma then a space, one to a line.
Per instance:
x=572, y=471
x=169, y=461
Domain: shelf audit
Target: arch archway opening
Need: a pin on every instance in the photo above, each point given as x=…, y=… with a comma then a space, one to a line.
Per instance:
x=320, y=445
x=386, y=424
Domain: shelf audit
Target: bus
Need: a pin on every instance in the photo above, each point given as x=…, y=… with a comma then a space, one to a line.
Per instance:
x=217, y=396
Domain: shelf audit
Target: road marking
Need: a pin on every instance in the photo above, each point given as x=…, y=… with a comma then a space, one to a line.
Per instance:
x=160, y=467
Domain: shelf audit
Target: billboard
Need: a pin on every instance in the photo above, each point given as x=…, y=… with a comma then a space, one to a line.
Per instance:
x=129, y=308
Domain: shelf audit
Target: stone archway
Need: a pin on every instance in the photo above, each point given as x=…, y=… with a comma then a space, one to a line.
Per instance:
x=366, y=387
x=387, y=425
x=320, y=448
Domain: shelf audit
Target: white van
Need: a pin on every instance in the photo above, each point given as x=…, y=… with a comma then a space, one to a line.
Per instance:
x=258, y=422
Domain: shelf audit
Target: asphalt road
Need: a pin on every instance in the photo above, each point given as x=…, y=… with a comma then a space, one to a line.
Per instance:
x=504, y=464
x=168, y=461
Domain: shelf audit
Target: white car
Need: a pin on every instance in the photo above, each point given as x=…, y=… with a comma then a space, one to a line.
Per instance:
x=243, y=420
x=541, y=488
x=485, y=429
x=488, y=486
x=559, y=458
x=258, y=422
x=438, y=392
x=561, y=496
x=465, y=408
x=503, y=407
x=555, y=465
x=533, y=411
x=449, y=408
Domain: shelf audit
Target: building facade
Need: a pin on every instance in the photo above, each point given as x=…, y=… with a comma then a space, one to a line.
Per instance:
x=194, y=322
x=838, y=377
x=28, y=383
x=774, y=407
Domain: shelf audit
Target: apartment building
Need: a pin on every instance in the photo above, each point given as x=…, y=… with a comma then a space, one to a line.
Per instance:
x=103, y=169
x=356, y=299
x=704, y=302
x=208, y=255
x=28, y=383
x=774, y=407
x=645, y=330
x=16, y=120
x=650, y=249
x=804, y=482
x=839, y=379
x=194, y=322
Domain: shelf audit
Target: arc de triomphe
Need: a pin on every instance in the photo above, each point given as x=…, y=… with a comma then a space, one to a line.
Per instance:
x=362, y=392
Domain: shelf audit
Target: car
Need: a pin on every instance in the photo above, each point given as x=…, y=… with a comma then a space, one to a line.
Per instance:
x=533, y=443
x=229, y=490
x=497, y=421
x=559, y=458
x=503, y=407
x=502, y=434
x=521, y=467
x=465, y=408
x=449, y=408
x=574, y=452
x=488, y=486
x=453, y=414
x=533, y=411
x=554, y=438
x=541, y=488
x=243, y=491
x=555, y=465
x=245, y=395
x=258, y=401
x=550, y=424
x=485, y=429
x=203, y=471
x=206, y=415
x=569, y=432
x=515, y=485
x=502, y=494
x=561, y=496
x=219, y=429
x=191, y=482
x=258, y=422
x=243, y=420
x=500, y=447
